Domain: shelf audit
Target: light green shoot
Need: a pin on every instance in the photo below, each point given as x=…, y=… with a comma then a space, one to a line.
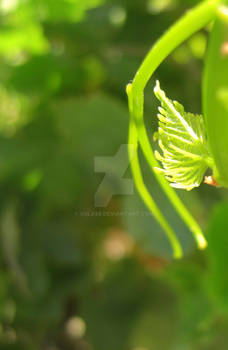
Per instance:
x=190, y=23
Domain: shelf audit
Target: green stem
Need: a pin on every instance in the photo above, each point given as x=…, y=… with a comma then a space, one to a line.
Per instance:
x=144, y=193
x=184, y=28
x=190, y=23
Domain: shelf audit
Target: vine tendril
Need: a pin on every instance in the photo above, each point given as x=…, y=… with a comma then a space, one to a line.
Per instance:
x=190, y=23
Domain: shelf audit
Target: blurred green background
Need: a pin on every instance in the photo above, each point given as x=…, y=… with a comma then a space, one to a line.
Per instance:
x=74, y=276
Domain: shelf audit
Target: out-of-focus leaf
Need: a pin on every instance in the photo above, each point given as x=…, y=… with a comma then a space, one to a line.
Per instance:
x=29, y=39
x=117, y=319
x=218, y=257
x=48, y=10
x=14, y=111
x=215, y=91
x=71, y=10
x=195, y=307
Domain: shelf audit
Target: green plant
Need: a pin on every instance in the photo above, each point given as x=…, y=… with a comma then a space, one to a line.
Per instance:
x=190, y=144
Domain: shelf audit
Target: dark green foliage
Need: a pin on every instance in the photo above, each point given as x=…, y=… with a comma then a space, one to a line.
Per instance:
x=69, y=281
x=218, y=243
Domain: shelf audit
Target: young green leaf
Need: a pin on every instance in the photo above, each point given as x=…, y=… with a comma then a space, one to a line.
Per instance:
x=182, y=139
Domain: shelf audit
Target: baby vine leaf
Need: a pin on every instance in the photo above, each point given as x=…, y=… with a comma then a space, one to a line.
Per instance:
x=182, y=139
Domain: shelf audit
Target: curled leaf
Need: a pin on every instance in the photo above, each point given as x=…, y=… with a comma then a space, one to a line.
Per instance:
x=182, y=139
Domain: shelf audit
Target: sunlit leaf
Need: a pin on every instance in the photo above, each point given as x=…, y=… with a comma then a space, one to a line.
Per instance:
x=182, y=139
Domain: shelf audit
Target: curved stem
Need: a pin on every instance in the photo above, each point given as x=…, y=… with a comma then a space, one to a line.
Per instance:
x=190, y=23
x=144, y=193
x=185, y=27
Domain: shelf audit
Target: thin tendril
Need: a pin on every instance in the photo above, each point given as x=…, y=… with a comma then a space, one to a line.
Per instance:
x=144, y=193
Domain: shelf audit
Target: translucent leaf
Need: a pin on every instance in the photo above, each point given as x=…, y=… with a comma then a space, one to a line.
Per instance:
x=182, y=139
